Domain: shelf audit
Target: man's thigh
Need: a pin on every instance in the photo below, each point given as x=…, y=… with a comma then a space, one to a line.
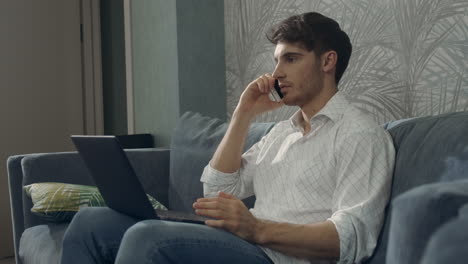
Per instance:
x=155, y=241
x=94, y=235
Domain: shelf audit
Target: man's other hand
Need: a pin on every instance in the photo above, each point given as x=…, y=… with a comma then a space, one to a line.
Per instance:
x=230, y=214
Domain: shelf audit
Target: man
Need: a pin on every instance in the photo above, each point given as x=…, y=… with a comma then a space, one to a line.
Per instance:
x=321, y=179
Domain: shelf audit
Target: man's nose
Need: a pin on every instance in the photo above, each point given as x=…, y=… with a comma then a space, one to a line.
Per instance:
x=278, y=73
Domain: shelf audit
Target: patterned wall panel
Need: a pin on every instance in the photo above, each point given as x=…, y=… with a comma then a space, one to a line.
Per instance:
x=409, y=57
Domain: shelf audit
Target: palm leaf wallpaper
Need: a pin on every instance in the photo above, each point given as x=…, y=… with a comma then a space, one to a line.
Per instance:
x=409, y=56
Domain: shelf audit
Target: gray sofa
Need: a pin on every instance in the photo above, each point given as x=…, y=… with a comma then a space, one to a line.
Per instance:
x=430, y=186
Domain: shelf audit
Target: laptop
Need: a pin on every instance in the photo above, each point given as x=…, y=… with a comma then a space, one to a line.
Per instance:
x=115, y=178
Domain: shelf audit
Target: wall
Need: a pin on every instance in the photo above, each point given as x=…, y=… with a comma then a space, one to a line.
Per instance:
x=178, y=63
x=405, y=62
x=409, y=57
x=155, y=67
x=200, y=40
x=41, y=95
x=113, y=67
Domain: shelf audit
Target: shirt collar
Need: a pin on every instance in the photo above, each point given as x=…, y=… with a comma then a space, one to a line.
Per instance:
x=333, y=110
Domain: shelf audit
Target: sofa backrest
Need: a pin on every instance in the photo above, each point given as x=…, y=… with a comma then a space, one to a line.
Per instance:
x=193, y=143
x=428, y=149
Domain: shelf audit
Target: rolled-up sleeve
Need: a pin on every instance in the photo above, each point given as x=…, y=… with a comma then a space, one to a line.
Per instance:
x=238, y=183
x=364, y=167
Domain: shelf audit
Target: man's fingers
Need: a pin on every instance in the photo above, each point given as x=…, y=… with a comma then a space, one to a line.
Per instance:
x=220, y=194
x=264, y=83
x=207, y=205
x=260, y=85
x=219, y=201
x=215, y=223
x=272, y=83
x=218, y=214
x=208, y=199
x=269, y=82
x=227, y=196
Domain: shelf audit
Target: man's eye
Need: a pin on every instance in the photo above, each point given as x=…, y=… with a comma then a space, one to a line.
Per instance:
x=291, y=59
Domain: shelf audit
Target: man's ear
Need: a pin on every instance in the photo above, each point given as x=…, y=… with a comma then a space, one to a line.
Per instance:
x=329, y=60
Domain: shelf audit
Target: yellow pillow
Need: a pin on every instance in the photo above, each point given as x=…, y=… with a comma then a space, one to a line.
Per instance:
x=59, y=202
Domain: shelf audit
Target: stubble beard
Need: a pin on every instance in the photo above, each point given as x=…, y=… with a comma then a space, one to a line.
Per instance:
x=310, y=93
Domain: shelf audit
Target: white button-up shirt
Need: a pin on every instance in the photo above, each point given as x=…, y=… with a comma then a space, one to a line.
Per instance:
x=340, y=171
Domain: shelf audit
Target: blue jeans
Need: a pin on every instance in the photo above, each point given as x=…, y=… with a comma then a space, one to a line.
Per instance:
x=102, y=235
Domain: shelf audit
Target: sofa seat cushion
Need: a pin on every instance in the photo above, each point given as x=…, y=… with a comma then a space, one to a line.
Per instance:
x=42, y=244
x=193, y=143
x=418, y=213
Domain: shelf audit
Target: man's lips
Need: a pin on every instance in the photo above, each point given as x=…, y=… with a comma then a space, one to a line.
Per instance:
x=284, y=88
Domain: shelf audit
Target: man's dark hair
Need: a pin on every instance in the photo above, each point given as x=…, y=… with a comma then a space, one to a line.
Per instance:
x=317, y=33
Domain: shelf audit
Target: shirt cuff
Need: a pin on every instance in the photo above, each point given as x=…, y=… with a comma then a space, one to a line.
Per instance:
x=347, y=235
x=214, y=180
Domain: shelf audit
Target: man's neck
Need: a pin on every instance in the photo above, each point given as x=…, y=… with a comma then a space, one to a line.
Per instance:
x=312, y=108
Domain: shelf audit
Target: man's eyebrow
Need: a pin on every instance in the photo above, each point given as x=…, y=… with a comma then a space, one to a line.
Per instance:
x=287, y=54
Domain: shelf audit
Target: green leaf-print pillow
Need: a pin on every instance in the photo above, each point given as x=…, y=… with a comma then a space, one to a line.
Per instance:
x=59, y=202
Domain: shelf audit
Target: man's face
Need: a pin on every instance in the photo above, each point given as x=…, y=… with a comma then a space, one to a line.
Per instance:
x=298, y=72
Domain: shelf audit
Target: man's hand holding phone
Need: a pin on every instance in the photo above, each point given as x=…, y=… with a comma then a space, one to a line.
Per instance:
x=255, y=98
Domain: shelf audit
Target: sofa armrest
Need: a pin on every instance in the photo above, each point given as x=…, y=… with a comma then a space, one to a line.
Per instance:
x=449, y=243
x=15, y=179
x=150, y=165
x=418, y=213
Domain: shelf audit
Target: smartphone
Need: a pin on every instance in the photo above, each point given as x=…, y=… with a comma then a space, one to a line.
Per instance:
x=276, y=93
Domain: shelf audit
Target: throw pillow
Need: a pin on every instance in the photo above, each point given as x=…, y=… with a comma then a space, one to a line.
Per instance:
x=59, y=202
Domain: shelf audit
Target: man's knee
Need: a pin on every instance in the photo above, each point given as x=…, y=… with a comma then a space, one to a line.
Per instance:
x=89, y=218
x=81, y=225
x=146, y=236
x=94, y=234
x=158, y=231
x=96, y=221
x=145, y=231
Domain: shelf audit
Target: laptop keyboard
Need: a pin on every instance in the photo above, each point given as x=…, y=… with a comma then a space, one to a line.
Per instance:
x=180, y=217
